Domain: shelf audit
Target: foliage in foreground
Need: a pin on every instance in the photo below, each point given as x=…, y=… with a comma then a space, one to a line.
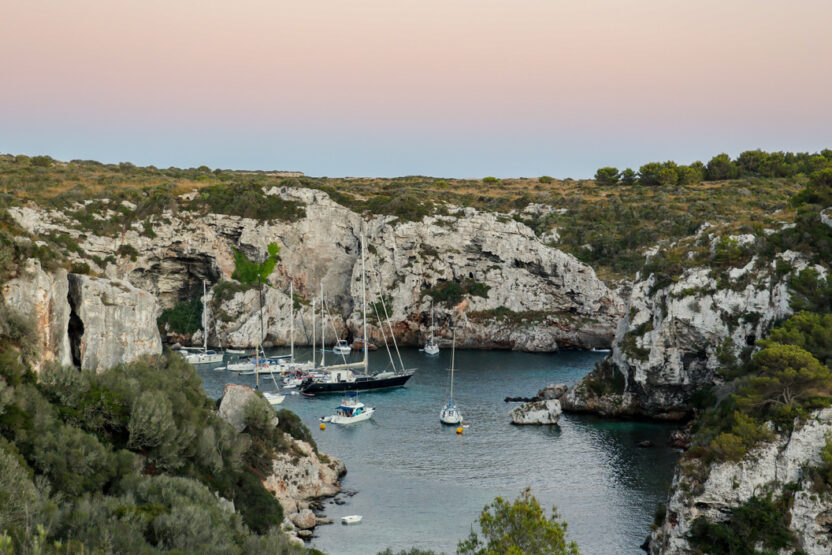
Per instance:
x=516, y=528
x=133, y=459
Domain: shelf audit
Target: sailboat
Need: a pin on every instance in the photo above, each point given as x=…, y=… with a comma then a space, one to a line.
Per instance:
x=431, y=347
x=340, y=377
x=205, y=356
x=450, y=414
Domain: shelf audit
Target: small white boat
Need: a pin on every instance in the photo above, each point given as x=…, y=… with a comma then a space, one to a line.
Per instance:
x=273, y=398
x=342, y=347
x=235, y=351
x=350, y=410
x=450, y=414
x=351, y=519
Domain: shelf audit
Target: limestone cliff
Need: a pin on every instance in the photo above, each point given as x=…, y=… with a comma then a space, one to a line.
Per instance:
x=775, y=467
x=91, y=323
x=674, y=337
x=116, y=322
x=43, y=296
x=521, y=294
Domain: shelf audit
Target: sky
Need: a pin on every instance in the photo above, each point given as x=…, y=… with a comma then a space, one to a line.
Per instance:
x=457, y=88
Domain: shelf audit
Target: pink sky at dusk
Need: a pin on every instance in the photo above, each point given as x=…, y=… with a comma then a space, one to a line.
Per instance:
x=453, y=87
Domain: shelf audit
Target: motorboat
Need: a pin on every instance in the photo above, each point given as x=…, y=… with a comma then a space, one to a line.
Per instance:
x=351, y=519
x=450, y=414
x=350, y=411
x=342, y=347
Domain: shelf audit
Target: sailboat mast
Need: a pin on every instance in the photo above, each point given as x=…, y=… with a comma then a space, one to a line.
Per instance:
x=364, y=295
x=204, y=319
x=323, y=327
x=453, y=352
x=258, y=360
x=292, y=321
x=314, y=337
x=431, y=322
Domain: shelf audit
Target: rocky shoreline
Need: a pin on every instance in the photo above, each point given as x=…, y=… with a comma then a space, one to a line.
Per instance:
x=301, y=477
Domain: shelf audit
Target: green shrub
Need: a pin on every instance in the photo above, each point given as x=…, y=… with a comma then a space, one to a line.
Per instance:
x=248, y=272
x=184, y=317
x=248, y=201
x=451, y=293
x=759, y=522
x=129, y=251
x=518, y=527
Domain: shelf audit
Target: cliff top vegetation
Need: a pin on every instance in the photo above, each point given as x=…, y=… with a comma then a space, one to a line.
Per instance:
x=607, y=222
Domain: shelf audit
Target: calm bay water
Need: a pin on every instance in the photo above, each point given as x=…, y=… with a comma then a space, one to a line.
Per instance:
x=418, y=484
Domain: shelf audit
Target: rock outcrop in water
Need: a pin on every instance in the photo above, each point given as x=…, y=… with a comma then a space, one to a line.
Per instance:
x=537, y=413
x=780, y=467
x=490, y=277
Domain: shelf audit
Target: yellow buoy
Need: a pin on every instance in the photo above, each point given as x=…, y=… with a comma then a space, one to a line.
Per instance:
x=459, y=430
x=323, y=426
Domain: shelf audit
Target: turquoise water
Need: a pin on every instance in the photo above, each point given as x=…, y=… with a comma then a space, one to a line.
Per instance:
x=418, y=484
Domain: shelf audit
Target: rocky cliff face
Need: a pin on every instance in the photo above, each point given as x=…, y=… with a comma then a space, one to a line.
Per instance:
x=115, y=322
x=522, y=294
x=674, y=338
x=91, y=323
x=43, y=296
x=766, y=469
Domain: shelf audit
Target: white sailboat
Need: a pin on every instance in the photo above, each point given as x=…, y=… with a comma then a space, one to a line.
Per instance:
x=205, y=356
x=431, y=347
x=450, y=414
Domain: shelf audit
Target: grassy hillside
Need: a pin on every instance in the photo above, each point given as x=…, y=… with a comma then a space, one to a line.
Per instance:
x=607, y=222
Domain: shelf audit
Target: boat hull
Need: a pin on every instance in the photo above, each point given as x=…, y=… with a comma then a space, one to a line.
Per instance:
x=204, y=359
x=338, y=419
x=274, y=398
x=360, y=384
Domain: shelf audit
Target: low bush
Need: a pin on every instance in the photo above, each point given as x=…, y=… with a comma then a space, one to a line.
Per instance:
x=184, y=317
x=759, y=522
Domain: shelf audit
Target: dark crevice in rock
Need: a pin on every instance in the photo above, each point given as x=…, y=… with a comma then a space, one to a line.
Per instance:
x=75, y=330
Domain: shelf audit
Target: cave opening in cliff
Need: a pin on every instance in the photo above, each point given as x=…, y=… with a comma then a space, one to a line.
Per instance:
x=177, y=279
x=75, y=331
